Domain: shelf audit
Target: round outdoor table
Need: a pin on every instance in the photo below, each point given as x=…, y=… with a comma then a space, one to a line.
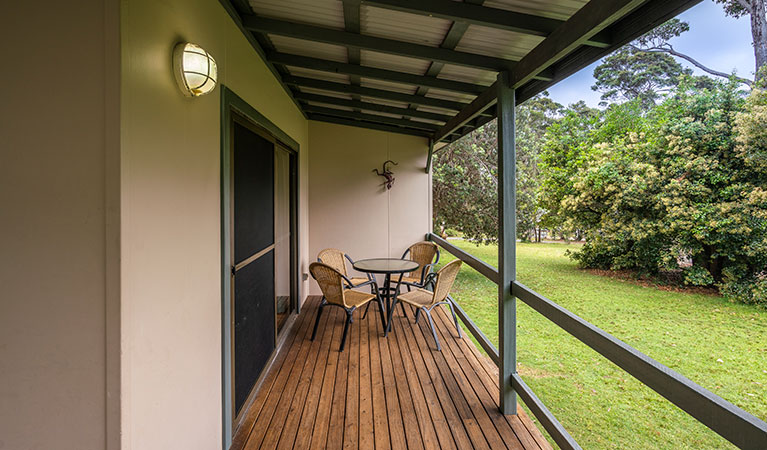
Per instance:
x=387, y=267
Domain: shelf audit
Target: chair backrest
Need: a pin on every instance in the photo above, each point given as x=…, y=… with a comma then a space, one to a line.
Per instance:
x=423, y=253
x=445, y=279
x=330, y=281
x=335, y=258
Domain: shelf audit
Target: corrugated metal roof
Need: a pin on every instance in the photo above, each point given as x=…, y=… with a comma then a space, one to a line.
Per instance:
x=556, y=9
x=310, y=73
x=326, y=13
x=418, y=27
x=393, y=62
x=402, y=26
x=467, y=74
x=379, y=101
x=449, y=95
x=387, y=85
x=495, y=42
x=309, y=48
x=309, y=90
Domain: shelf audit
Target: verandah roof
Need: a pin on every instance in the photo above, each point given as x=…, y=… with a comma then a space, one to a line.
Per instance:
x=427, y=67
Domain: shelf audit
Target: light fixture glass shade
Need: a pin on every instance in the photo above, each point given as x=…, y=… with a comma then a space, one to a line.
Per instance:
x=196, y=71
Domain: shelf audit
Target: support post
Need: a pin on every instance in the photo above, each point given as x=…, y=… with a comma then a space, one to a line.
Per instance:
x=431, y=153
x=507, y=241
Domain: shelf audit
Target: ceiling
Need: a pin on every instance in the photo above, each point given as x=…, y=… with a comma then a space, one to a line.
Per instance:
x=428, y=67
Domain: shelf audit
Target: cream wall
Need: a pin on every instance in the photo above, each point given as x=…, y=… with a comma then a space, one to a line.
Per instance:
x=348, y=206
x=171, y=291
x=59, y=326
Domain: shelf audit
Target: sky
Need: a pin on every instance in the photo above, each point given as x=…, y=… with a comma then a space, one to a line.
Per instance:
x=716, y=40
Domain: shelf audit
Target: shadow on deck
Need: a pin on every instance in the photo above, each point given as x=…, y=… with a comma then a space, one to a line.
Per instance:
x=395, y=392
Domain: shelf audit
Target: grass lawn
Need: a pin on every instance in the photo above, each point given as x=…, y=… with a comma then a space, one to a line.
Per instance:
x=717, y=344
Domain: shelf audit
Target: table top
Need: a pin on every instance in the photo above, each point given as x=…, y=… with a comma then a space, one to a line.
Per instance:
x=385, y=265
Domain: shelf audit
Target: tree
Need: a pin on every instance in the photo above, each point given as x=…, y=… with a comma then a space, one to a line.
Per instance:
x=565, y=146
x=657, y=42
x=465, y=177
x=533, y=118
x=465, y=185
x=757, y=11
x=682, y=188
x=633, y=74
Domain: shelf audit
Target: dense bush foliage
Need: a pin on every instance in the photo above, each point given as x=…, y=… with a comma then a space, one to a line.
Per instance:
x=682, y=187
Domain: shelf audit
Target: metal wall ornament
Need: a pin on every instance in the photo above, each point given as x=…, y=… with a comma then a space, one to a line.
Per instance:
x=387, y=174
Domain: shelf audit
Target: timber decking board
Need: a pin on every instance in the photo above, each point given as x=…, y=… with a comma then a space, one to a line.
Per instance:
x=396, y=392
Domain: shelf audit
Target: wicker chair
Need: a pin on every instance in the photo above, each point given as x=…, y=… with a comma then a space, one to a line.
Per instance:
x=337, y=259
x=426, y=254
x=425, y=301
x=332, y=283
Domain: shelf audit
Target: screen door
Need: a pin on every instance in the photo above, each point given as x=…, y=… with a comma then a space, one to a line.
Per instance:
x=253, y=251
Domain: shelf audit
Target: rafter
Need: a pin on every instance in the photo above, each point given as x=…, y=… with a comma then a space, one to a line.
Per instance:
x=374, y=73
x=370, y=106
x=592, y=18
x=369, y=125
x=391, y=46
x=371, y=118
x=483, y=16
x=373, y=93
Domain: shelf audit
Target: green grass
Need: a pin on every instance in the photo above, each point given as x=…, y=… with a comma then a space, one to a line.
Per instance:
x=717, y=344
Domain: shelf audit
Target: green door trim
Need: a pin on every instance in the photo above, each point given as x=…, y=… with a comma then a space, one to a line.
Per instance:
x=232, y=104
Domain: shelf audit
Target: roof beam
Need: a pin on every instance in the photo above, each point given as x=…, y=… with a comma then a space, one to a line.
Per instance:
x=352, y=24
x=370, y=106
x=450, y=41
x=474, y=109
x=483, y=16
x=592, y=18
x=651, y=15
x=373, y=93
x=391, y=46
x=369, y=125
x=236, y=11
x=371, y=72
x=428, y=127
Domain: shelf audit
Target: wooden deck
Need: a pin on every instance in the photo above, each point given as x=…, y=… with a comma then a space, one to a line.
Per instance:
x=395, y=392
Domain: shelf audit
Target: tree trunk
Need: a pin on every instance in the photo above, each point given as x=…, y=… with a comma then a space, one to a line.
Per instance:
x=759, y=34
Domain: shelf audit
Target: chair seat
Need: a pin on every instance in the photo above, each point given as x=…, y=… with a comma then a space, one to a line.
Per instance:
x=411, y=280
x=356, y=281
x=417, y=298
x=355, y=298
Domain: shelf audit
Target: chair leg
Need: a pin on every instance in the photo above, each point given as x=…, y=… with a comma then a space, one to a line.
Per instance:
x=404, y=311
x=417, y=314
x=455, y=318
x=373, y=290
x=317, y=322
x=346, y=328
x=433, y=331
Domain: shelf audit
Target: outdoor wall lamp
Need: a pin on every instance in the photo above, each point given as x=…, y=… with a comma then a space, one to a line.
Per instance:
x=195, y=70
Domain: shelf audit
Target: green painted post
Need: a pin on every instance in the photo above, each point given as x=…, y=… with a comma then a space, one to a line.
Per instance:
x=428, y=158
x=507, y=241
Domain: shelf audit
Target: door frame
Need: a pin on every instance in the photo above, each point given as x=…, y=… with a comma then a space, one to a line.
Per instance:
x=233, y=106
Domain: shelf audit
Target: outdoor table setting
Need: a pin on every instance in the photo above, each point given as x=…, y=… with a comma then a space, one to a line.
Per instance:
x=387, y=267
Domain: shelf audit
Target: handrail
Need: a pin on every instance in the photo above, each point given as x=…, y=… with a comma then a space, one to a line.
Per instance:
x=484, y=342
x=729, y=421
x=480, y=266
x=540, y=411
x=732, y=423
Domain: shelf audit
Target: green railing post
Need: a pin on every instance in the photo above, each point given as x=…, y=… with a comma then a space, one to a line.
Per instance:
x=507, y=240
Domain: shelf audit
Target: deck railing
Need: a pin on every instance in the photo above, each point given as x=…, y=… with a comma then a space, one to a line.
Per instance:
x=734, y=424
